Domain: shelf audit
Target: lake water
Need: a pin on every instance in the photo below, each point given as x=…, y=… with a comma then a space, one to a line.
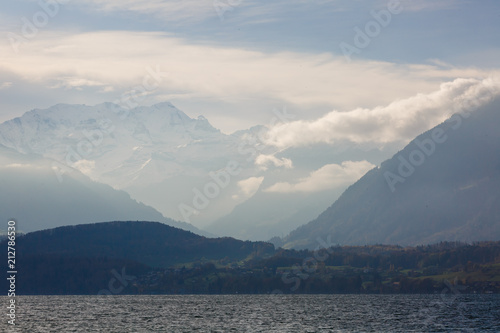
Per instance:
x=256, y=313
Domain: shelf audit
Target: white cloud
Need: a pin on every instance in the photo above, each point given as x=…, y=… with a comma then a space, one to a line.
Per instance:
x=248, y=187
x=328, y=177
x=22, y=166
x=264, y=160
x=85, y=166
x=5, y=85
x=75, y=82
x=399, y=121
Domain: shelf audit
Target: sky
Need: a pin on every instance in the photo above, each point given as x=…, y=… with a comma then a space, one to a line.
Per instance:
x=368, y=64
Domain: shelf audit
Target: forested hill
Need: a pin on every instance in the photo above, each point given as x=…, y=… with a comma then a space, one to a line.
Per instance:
x=150, y=243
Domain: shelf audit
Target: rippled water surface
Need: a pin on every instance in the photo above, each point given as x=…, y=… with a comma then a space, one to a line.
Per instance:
x=256, y=313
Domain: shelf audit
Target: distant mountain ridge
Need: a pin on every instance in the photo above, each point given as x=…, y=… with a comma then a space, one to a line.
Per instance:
x=39, y=196
x=443, y=186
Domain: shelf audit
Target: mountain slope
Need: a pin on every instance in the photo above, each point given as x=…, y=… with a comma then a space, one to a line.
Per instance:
x=39, y=196
x=266, y=215
x=273, y=213
x=449, y=191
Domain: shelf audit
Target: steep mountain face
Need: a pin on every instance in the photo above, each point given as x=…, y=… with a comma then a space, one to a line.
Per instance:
x=443, y=186
x=39, y=196
x=267, y=215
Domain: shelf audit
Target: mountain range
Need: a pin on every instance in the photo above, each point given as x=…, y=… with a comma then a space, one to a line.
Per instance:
x=167, y=160
x=72, y=164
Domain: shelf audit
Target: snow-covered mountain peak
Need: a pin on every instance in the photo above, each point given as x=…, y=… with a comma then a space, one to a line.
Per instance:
x=102, y=140
x=164, y=106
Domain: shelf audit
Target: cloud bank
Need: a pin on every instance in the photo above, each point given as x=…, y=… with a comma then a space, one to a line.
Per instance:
x=399, y=121
x=94, y=67
x=328, y=177
x=248, y=187
x=265, y=160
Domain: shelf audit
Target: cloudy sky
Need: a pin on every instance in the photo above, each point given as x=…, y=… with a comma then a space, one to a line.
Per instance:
x=339, y=66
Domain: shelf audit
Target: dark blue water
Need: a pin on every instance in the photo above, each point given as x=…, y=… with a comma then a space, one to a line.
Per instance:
x=261, y=313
